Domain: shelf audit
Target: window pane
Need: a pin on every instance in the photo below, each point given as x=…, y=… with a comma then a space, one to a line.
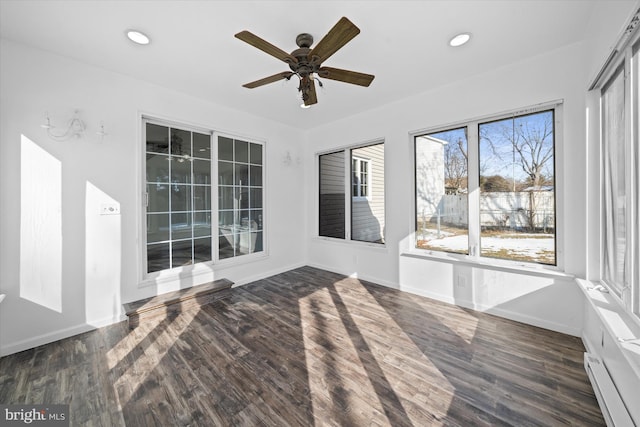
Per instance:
x=157, y=227
x=181, y=226
x=256, y=197
x=367, y=203
x=157, y=139
x=158, y=257
x=202, y=197
x=202, y=171
x=181, y=253
x=226, y=220
x=157, y=168
x=255, y=154
x=244, y=243
x=225, y=197
x=241, y=174
x=332, y=197
x=242, y=197
x=181, y=143
x=225, y=173
x=158, y=197
x=241, y=152
x=517, y=188
x=256, y=242
x=614, y=191
x=202, y=250
x=255, y=176
x=225, y=148
x=226, y=245
x=255, y=217
x=201, y=145
x=442, y=209
x=180, y=198
x=201, y=224
x=180, y=170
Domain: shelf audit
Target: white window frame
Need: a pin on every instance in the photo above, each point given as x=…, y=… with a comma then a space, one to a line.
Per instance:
x=170, y=275
x=359, y=161
x=473, y=154
x=346, y=150
x=627, y=294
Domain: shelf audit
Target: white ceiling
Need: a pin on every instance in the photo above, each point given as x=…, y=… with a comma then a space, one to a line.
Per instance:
x=193, y=49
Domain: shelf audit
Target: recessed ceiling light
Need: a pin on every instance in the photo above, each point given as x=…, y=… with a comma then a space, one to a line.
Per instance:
x=137, y=37
x=460, y=39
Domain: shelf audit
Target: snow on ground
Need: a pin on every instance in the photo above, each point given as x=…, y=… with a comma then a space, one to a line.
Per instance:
x=523, y=246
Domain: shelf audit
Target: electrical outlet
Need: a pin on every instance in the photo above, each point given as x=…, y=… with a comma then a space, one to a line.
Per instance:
x=461, y=281
x=110, y=209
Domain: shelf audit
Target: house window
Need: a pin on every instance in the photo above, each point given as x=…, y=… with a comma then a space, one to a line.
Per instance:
x=360, y=172
x=240, y=191
x=360, y=178
x=517, y=188
x=187, y=193
x=442, y=207
x=487, y=188
x=620, y=174
x=178, y=188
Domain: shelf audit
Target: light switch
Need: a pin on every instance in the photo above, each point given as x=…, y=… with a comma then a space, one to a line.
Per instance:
x=110, y=209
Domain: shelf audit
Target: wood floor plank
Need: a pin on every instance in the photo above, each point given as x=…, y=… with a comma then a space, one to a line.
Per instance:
x=311, y=347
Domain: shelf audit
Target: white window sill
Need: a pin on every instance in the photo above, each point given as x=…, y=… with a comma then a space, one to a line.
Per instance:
x=369, y=245
x=624, y=329
x=488, y=263
x=191, y=272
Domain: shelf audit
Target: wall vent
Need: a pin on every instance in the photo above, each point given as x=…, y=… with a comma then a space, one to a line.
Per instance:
x=611, y=404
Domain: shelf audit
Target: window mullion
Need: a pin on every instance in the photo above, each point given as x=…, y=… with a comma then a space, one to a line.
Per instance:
x=629, y=180
x=473, y=188
x=348, y=193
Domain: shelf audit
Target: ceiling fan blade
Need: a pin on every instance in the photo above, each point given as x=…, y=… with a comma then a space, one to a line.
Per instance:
x=346, y=76
x=338, y=36
x=284, y=75
x=313, y=98
x=265, y=46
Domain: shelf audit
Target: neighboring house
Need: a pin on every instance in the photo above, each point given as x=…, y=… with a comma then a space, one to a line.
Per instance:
x=367, y=208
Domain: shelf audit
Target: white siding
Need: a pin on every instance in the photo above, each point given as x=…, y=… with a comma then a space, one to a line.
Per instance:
x=367, y=215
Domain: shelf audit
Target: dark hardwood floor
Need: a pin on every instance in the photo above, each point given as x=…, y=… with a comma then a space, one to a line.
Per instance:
x=310, y=347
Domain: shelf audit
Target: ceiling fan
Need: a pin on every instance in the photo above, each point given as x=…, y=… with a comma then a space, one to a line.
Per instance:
x=306, y=63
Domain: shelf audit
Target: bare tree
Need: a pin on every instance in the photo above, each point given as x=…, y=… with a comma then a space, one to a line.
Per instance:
x=455, y=164
x=530, y=143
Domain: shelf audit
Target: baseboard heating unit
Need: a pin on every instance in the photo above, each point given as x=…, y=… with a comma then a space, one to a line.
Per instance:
x=611, y=404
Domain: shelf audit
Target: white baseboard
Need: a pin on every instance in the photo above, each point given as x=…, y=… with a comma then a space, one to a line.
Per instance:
x=356, y=275
x=44, y=339
x=507, y=314
x=265, y=274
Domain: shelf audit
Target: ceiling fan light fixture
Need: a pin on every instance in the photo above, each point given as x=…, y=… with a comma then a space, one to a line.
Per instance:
x=305, y=106
x=138, y=37
x=459, y=39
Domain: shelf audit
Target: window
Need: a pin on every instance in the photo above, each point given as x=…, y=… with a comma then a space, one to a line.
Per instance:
x=181, y=197
x=360, y=178
x=442, y=217
x=517, y=188
x=240, y=217
x=487, y=188
x=360, y=171
x=620, y=174
x=178, y=186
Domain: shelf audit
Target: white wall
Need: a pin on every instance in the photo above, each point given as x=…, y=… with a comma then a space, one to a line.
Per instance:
x=84, y=265
x=544, y=301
